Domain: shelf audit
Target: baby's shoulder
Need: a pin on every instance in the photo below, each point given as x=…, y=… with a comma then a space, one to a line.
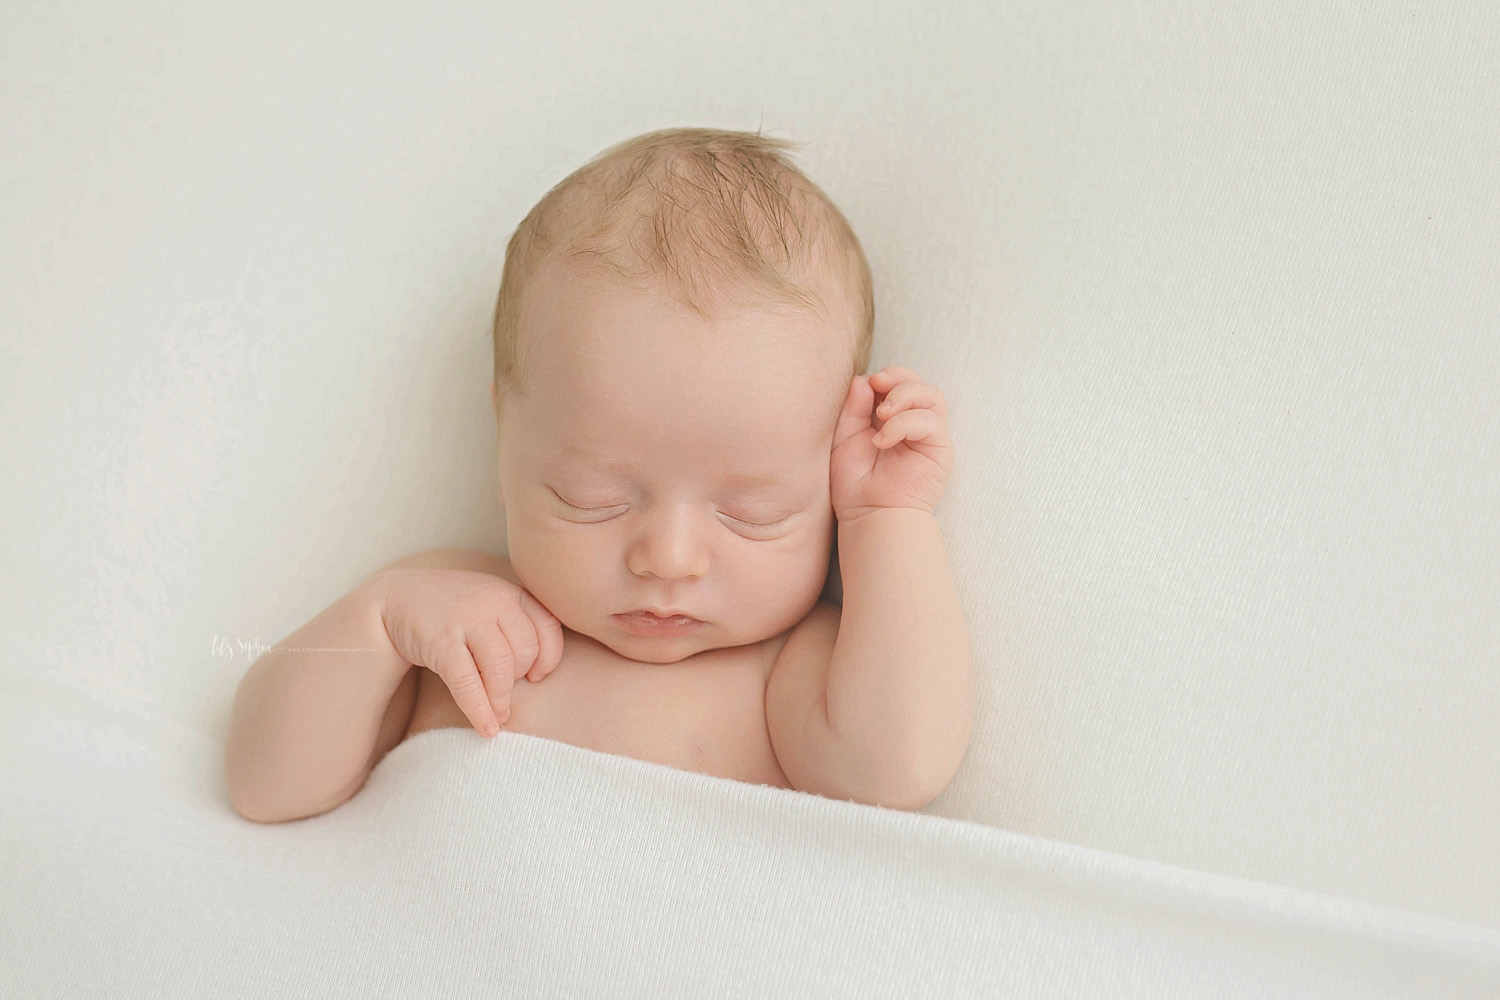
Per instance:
x=825, y=614
x=465, y=559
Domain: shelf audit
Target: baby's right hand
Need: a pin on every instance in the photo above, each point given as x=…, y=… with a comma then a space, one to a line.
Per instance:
x=476, y=631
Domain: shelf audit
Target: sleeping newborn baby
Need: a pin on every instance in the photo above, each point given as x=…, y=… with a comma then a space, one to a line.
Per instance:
x=692, y=467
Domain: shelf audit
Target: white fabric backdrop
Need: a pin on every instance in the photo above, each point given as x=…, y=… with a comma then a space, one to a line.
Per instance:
x=1211, y=293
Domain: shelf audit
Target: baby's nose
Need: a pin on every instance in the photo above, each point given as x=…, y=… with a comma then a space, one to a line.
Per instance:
x=672, y=548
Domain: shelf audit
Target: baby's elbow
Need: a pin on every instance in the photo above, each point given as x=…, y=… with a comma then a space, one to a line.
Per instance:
x=254, y=815
x=248, y=807
x=906, y=801
x=889, y=788
x=920, y=795
x=260, y=804
x=258, y=813
x=245, y=800
x=925, y=784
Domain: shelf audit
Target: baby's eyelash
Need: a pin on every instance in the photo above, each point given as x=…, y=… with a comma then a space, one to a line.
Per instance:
x=773, y=524
x=753, y=524
x=564, y=500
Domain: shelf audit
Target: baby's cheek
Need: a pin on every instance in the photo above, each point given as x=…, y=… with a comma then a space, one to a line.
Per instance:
x=549, y=567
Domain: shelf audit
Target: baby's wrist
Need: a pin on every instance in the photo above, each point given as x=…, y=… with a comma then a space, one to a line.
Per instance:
x=865, y=514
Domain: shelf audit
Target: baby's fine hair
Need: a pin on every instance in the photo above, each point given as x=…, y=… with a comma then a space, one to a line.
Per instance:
x=708, y=212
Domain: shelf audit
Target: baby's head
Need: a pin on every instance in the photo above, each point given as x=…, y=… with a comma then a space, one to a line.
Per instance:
x=678, y=325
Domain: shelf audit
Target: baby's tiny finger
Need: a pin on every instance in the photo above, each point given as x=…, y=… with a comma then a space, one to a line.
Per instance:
x=911, y=396
x=520, y=632
x=461, y=674
x=891, y=375
x=908, y=425
x=493, y=655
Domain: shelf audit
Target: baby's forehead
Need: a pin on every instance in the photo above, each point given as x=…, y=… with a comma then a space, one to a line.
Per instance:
x=731, y=422
x=601, y=341
x=724, y=414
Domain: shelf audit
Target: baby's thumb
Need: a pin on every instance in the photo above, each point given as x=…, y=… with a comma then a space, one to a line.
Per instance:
x=858, y=408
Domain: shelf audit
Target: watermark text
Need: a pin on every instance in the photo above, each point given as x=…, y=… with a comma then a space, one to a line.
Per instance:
x=226, y=648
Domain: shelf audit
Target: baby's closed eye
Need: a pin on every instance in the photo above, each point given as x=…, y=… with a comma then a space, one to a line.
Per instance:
x=759, y=521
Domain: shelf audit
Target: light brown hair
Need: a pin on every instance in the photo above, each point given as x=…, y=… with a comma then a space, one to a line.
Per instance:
x=709, y=212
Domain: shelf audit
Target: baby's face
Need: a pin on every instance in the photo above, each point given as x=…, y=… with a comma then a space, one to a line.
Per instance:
x=661, y=460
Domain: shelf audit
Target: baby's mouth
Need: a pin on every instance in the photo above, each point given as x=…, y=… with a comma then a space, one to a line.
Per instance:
x=647, y=622
x=661, y=616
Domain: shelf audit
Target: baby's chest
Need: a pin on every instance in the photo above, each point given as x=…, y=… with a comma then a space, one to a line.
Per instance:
x=705, y=714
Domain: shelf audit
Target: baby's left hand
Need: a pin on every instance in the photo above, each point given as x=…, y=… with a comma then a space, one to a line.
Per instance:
x=903, y=462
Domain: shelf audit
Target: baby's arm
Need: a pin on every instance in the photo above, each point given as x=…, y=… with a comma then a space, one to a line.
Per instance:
x=900, y=687
x=901, y=679
x=308, y=724
x=315, y=714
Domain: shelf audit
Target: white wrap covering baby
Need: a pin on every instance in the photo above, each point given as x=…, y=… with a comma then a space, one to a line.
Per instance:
x=524, y=867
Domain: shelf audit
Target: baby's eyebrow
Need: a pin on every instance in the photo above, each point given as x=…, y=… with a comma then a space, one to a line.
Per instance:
x=752, y=479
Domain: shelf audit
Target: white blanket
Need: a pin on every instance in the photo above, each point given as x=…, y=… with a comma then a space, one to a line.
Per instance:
x=1209, y=290
x=523, y=867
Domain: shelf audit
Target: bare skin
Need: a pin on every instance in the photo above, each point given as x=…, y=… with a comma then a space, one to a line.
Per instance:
x=662, y=460
x=705, y=713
